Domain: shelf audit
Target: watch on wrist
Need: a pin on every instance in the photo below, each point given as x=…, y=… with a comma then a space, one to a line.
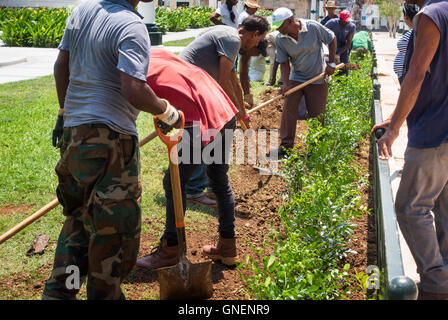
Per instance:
x=332, y=64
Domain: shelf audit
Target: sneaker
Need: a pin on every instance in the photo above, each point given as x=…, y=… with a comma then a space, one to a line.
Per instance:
x=224, y=251
x=211, y=195
x=203, y=200
x=161, y=257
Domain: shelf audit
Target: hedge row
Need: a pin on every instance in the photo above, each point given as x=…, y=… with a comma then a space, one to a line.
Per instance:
x=44, y=27
x=323, y=198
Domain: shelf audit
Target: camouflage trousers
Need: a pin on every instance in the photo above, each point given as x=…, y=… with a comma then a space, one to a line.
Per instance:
x=100, y=191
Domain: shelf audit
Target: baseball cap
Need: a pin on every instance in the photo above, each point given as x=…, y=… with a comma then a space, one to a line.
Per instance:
x=345, y=15
x=280, y=15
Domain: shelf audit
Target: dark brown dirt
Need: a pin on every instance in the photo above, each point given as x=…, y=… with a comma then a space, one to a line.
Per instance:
x=7, y=210
x=258, y=199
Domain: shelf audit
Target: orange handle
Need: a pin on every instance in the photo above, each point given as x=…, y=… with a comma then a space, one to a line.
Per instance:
x=173, y=140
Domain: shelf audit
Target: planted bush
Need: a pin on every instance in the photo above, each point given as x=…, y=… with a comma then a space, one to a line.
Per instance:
x=27, y=27
x=264, y=13
x=323, y=198
x=183, y=18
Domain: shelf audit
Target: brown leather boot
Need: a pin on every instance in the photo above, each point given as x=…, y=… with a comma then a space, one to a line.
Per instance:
x=162, y=256
x=225, y=251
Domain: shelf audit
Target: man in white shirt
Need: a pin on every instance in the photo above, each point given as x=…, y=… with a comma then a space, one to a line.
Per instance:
x=228, y=13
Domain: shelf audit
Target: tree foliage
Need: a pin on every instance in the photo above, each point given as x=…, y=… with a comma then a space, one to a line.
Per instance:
x=391, y=10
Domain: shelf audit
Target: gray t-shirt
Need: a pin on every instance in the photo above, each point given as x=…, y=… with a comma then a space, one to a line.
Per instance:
x=206, y=50
x=306, y=54
x=102, y=38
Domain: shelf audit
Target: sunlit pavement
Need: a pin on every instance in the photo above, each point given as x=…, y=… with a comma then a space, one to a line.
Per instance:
x=386, y=50
x=18, y=63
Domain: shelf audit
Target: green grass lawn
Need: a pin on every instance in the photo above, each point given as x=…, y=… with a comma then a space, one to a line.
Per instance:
x=27, y=159
x=179, y=43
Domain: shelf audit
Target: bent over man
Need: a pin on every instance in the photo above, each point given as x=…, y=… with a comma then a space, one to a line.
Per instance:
x=101, y=84
x=209, y=123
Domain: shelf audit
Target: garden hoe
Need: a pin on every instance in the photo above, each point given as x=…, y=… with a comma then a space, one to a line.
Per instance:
x=51, y=205
x=184, y=280
x=346, y=66
x=261, y=169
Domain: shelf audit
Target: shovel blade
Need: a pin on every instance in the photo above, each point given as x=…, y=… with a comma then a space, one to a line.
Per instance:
x=186, y=281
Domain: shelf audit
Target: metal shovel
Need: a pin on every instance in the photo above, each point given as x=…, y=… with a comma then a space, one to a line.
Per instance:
x=184, y=280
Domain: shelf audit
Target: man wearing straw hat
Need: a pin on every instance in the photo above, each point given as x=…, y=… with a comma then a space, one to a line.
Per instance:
x=250, y=8
x=331, y=8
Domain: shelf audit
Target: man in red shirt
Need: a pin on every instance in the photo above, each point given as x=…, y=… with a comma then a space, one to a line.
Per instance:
x=209, y=123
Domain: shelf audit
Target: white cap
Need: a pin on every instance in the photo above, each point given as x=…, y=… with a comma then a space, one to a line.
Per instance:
x=280, y=15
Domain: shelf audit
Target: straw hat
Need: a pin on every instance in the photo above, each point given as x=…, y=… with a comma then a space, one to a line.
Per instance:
x=252, y=4
x=330, y=4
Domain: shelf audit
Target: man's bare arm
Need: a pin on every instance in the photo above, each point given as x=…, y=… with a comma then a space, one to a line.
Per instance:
x=285, y=70
x=244, y=73
x=62, y=75
x=215, y=19
x=140, y=95
x=427, y=42
x=347, y=44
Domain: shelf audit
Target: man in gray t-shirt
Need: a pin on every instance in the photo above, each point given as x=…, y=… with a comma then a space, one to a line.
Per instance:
x=301, y=42
x=216, y=51
x=206, y=51
x=100, y=78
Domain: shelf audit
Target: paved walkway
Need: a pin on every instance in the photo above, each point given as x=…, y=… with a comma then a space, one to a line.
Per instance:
x=18, y=64
x=386, y=50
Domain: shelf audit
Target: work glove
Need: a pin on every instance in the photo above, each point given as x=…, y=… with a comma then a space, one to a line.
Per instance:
x=169, y=119
x=58, y=130
x=249, y=98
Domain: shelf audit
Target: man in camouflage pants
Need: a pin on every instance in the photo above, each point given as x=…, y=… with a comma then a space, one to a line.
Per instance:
x=100, y=78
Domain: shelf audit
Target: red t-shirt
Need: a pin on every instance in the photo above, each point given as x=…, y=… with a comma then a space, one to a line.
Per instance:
x=190, y=89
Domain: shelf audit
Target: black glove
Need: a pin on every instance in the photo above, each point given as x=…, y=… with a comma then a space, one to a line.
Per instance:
x=58, y=131
x=166, y=127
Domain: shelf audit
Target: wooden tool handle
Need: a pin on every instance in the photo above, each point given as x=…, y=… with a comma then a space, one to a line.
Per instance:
x=51, y=205
x=292, y=90
x=29, y=220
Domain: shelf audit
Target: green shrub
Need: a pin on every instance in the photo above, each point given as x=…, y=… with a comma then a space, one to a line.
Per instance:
x=182, y=18
x=323, y=198
x=27, y=27
x=264, y=13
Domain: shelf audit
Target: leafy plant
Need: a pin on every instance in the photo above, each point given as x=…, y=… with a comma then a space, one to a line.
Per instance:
x=28, y=27
x=182, y=18
x=323, y=197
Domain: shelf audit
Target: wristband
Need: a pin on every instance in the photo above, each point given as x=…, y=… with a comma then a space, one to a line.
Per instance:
x=246, y=118
x=170, y=116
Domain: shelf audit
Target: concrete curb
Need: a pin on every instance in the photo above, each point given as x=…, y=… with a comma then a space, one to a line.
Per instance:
x=12, y=61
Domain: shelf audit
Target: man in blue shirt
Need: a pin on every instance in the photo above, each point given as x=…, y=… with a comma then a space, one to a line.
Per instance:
x=423, y=102
x=344, y=31
x=331, y=8
x=101, y=85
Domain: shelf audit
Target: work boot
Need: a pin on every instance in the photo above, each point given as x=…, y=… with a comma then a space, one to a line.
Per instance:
x=162, y=256
x=224, y=251
x=202, y=200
